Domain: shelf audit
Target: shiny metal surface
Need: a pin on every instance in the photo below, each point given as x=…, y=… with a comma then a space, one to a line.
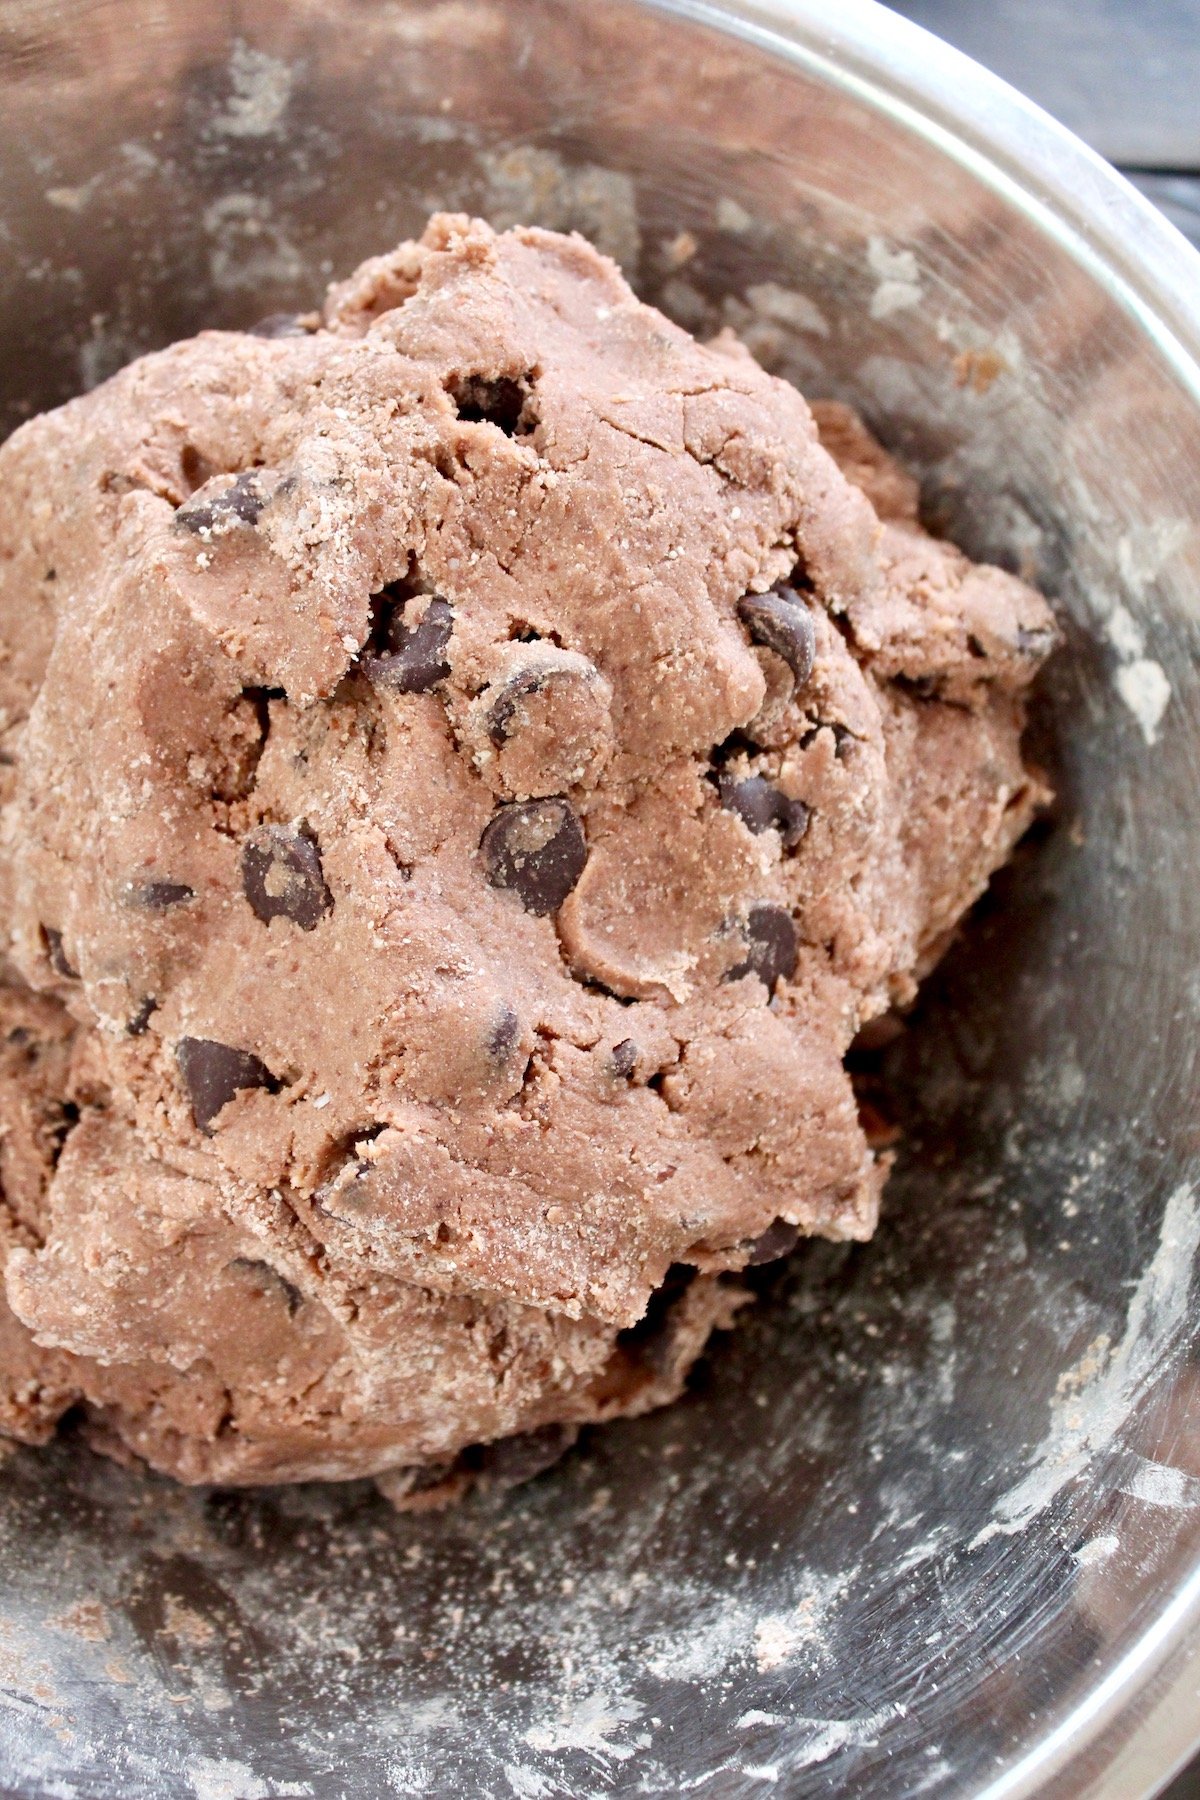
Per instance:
x=930, y=1524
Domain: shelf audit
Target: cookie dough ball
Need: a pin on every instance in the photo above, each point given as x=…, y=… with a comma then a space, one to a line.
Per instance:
x=469, y=771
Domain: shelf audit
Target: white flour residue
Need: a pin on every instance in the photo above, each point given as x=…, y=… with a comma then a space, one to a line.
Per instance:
x=828, y=1736
x=781, y=1637
x=732, y=216
x=899, y=278
x=527, y=1784
x=1144, y=550
x=762, y=1771
x=531, y=186
x=1094, y=1400
x=711, y=1642
x=595, y=1724
x=1097, y=1550
x=249, y=248
x=787, y=306
x=213, y=1778
x=1140, y=681
x=1144, y=688
x=749, y=1719
x=1160, y=1484
x=732, y=1631
x=260, y=88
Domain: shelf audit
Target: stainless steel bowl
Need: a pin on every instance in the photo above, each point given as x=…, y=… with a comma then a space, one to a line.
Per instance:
x=930, y=1524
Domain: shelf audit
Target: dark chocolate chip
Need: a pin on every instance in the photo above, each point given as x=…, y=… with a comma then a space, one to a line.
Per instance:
x=781, y=622
x=282, y=877
x=623, y=1060
x=158, y=896
x=415, y=659
x=504, y=1035
x=7, y=760
x=779, y=1239
x=500, y=712
x=141, y=1017
x=213, y=1073
x=759, y=806
x=272, y=1281
x=651, y=1341
x=536, y=848
x=59, y=960
x=512, y=1460
x=240, y=504
x=279, y=325
x=842, y=734
x=772, y=946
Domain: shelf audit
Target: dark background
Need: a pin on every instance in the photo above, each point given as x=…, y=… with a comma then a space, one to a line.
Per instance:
x=1125, y=75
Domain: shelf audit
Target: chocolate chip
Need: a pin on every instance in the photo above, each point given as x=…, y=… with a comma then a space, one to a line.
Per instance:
x=59, y=960
x=536, y=848
x=213, y=1073
x=500, y=713
x=240, y=504
x=415, y=658
x=779, y=1239
x=512, y=1460
x=504, y=1035
x=282, y=877
x=771, y=944
x=759, y=806
x=272, y=1281
x=141, y=1017
x=158, y=896
x=651, y=1342
x=781, y=622
x=279, y=325
x=623, y=1060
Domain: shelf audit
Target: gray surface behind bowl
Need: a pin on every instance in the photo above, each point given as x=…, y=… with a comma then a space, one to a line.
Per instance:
x=938, y=1487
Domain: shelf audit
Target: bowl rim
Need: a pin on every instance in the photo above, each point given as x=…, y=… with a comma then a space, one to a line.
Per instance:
x=1140, y=1723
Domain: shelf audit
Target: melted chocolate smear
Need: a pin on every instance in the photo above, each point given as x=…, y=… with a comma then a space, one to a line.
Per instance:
x=282, y=877
x=780, y=621
x=537, y=849
x=213, y=1073
x=771, y=945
